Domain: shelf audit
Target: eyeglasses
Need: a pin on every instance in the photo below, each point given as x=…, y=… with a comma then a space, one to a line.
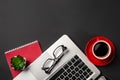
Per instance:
x=50, y=63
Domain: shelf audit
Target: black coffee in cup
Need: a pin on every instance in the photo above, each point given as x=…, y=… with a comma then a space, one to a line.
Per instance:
x=101, y=49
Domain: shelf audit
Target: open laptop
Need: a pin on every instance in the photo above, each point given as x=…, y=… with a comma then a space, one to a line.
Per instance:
x=61, y=61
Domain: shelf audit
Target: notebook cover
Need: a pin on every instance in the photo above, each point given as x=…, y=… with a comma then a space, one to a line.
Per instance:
x=30, y=51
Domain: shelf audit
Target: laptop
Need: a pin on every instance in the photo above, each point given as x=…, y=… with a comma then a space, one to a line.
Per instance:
x=61, y=61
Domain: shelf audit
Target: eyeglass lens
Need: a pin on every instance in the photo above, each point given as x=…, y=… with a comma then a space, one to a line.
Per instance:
x=49, y=63
x=58, y=51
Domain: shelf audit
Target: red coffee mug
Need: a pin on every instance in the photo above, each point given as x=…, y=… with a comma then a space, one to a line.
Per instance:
x=100, y=50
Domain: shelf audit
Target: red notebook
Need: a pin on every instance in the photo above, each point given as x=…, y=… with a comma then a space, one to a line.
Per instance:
x=30, y=51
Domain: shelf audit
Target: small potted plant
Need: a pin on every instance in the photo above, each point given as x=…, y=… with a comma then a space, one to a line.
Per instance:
x=18, y=62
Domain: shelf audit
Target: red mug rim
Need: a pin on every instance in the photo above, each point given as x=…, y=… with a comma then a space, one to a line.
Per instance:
x=107, y=54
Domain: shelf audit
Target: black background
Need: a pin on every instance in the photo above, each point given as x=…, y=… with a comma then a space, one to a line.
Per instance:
x=23, y=21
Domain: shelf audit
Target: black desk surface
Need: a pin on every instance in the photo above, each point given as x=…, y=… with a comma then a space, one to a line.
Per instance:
x=23, y=21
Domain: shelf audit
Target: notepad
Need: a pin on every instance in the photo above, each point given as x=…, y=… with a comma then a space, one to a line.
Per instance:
x=30, y=51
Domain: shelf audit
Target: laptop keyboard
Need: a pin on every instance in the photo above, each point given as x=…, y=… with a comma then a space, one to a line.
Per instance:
x=75, y=69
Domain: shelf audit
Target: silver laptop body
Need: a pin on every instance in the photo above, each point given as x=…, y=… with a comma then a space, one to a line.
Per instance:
x=78, y=66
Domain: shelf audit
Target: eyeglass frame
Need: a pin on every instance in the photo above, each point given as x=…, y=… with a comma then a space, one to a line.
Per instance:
x=55, y=59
